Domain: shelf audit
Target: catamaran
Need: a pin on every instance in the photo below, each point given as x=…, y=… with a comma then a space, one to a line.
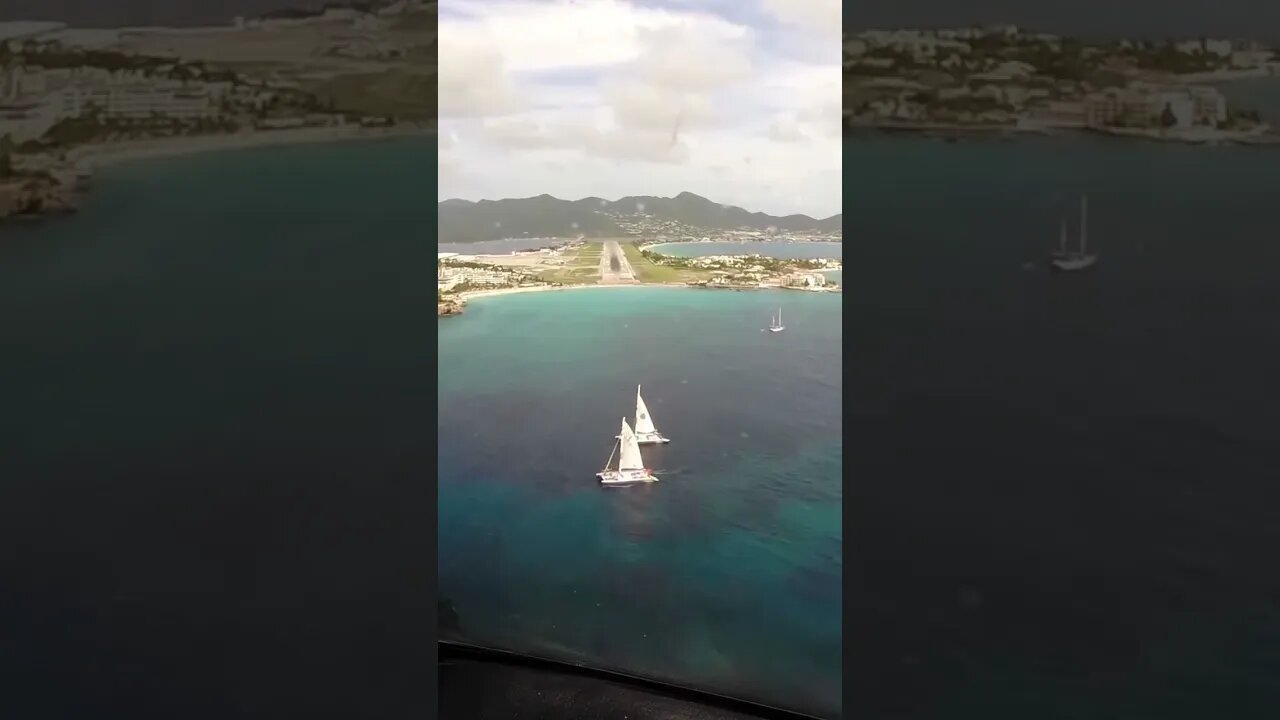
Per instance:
x=775, y=323
x=1079, y=260
x=631, y=467
x=646, y=433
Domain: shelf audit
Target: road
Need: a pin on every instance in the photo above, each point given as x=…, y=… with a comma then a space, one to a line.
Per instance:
x=614, y=267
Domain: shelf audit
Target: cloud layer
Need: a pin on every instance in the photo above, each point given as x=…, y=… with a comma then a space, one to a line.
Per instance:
x=737, y=102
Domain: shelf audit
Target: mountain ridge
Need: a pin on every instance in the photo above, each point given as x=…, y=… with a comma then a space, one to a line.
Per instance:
x=547, y=216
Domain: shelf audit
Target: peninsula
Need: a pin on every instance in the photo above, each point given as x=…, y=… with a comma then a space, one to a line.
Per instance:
x=1006, y=79
x=72, y=99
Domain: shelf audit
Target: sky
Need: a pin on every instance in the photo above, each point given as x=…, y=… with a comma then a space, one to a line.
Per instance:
x=736, y=100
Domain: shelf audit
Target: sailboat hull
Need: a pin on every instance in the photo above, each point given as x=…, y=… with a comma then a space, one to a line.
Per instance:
x=777, y=329
x=650, y=438
x=1075, y=262
x=626, y=477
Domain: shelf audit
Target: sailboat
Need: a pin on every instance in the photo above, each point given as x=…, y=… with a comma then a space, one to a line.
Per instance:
x=646, y=433
x=775, y=323
x=1079, y=260
x=1062, y=242
x=631, y=467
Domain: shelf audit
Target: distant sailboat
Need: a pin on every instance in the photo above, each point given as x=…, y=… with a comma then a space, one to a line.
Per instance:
x=1079, y=260
x=631, y=467
x=775, y=323
x=1062, y=242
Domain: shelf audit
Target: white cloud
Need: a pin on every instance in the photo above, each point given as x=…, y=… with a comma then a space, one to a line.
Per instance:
x=603, y=97
x=541, y=35
x=474, y=81
x=823, y=16
x=519, y=133
x=786, y=129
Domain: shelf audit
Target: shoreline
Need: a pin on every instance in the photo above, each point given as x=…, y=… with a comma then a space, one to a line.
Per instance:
x=1013, y=133
x=103, y=155
x=465, y=297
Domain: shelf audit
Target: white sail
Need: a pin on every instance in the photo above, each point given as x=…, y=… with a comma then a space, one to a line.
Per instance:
x=644, y=423
x=629, y=458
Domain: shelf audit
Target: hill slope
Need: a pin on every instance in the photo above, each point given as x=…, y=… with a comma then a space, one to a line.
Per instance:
x=546, y=216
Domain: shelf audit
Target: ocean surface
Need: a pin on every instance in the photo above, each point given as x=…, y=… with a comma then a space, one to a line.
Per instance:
x=724, y=575
x=777, y=249
x=1062, y=488
x=213, y=470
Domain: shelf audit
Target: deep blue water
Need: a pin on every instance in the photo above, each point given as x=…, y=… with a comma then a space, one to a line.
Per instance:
x=726, y=574
x=778, y=249
x=213, y=478
x=1063, y=486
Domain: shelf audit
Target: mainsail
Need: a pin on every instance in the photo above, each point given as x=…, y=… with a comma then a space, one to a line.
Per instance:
x=644, y=423
x=630, y=458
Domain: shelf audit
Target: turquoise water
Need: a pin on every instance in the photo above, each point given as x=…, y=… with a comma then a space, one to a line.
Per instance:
x=779, y=249
x=726, y=574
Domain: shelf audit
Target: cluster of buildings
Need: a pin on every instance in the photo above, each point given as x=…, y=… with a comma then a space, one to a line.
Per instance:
x=450, y=276
x=1003, y=76
x=1147, y=105
x=661, y=230
x=33, y=99
x=739, y=270
x=955, y=48
x=759, y=278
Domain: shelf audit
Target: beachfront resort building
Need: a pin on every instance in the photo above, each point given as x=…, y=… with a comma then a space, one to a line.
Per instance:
x=448, y=276
x=805, y=280
x=1143, y=105
x=140, y=100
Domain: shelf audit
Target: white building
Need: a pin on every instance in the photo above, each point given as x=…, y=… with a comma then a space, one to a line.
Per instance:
x=139, y=101
x=23, y=121
x=807, y=280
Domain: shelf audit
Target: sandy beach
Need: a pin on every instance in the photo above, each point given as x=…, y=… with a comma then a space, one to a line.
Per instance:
x=474, y=294
x=103, y=155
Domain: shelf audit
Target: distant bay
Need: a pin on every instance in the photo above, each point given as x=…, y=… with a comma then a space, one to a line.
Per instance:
x=772, y=248
x=501, y=247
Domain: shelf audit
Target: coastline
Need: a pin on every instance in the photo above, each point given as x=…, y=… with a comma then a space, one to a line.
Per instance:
x=106, y=154
x=465, y=297
x=469, y=295
x=1011, y=132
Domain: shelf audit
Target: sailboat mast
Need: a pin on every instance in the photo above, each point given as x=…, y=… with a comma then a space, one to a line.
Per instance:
x=1084, y=222
x=611, y=452
x=1062, y=237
